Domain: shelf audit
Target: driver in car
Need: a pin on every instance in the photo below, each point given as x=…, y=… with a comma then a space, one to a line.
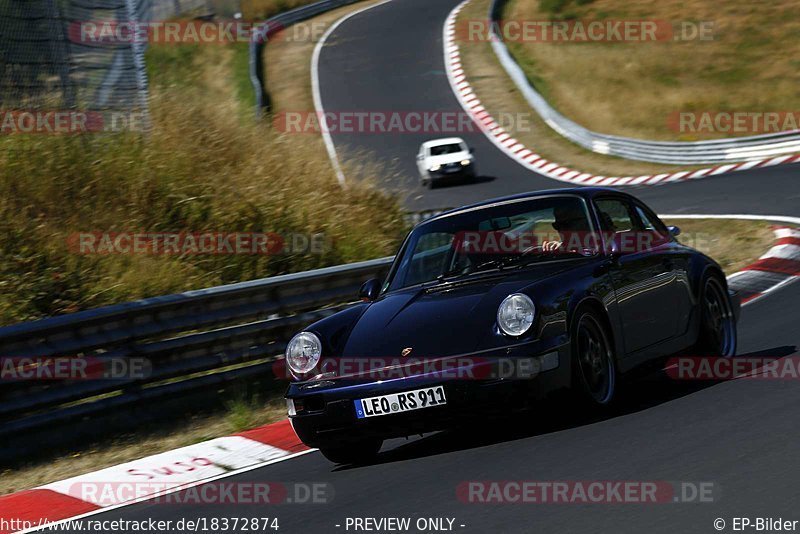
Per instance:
x=570, y=223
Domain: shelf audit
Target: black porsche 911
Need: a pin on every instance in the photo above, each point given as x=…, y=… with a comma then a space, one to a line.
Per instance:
x=501, y=303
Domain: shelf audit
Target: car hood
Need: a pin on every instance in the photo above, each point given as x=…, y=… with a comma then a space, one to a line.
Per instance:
x=442, y=319
x=448, y=158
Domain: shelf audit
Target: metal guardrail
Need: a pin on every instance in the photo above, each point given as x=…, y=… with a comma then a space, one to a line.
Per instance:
x=714, y=151
x=192, y=341
x=269, y=28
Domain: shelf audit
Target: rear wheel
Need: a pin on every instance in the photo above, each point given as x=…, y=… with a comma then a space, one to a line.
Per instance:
x=594, y=372
x=717, y=323
x=358, y=452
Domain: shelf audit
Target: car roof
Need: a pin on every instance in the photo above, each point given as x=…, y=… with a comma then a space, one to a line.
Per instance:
x=443, y=141
x=586, y=192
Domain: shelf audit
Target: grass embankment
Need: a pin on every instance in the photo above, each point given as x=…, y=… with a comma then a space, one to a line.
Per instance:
x=733, y=243
x=632, y=88
x=205, y=167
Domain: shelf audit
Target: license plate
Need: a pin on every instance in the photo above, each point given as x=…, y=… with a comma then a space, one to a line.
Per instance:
x=400, y=402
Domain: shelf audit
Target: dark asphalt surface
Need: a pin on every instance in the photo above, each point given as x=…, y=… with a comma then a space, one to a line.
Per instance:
x=740, y=435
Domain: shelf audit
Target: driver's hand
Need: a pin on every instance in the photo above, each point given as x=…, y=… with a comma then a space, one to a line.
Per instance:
x=551, y=246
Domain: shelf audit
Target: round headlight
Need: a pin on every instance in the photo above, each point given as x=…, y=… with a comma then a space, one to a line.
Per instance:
x=435, y=168
x=465, y=162
x=303, y=352
x=515, y=314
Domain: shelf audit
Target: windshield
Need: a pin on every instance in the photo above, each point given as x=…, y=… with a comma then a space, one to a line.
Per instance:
x=514, y=233
x=442, y=150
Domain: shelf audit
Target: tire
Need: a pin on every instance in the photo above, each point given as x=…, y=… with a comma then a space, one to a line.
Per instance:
x=594, y=370
x=717, y=336
x=357, y=453
x=425, y=181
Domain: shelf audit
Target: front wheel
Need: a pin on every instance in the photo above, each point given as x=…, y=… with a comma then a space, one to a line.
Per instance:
x=425, y=180
x=359, y=452
x=594, y=372
x=717, y=322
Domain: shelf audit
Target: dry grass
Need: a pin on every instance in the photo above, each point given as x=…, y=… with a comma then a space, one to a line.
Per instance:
x=205, y=167
x=632, y=88
x=734, y=244
x=500, y=97
x=240, y=416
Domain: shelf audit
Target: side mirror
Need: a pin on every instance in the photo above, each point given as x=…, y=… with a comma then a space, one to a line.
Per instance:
x=369, y=290
x=674, y=231
x=614, y=249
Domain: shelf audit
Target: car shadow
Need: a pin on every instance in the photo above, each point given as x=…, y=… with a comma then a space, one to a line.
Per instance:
x=646, y=391
x=466, y=181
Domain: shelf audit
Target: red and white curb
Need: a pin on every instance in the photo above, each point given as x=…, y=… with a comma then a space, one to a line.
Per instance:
x=532, y=161
x=149, y=477
x=778, y=267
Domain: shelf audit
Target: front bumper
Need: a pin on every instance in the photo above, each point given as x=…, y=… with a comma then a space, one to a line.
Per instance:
x=328, y=414
x=458, y=172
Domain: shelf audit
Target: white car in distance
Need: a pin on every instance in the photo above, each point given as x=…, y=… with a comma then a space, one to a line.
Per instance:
x=441, y=159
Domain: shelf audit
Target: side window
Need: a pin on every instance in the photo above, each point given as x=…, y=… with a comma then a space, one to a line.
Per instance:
x=615, y=215
x=651, y=222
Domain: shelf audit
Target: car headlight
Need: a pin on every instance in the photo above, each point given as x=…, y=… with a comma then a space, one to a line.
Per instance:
x=303, y=352
x=435, y=168
x=515, y=314
x=465, y=162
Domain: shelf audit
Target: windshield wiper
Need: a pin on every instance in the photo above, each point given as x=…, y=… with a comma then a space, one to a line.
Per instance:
x=497, y=263
x=530, y=257
x=519, y=260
